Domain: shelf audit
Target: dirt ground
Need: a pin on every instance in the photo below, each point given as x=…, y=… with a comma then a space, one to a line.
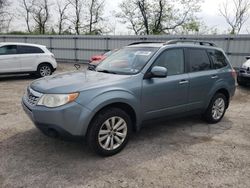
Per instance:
x=179, y=153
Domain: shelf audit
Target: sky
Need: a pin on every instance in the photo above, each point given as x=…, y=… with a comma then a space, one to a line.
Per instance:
x=209, y=14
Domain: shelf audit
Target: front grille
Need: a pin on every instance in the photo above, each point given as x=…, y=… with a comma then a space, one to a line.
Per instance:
x=32, y=97
x=32, y=100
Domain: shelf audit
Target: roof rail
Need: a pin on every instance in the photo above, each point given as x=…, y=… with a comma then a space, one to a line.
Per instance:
x=144, y=42
x=199, y=42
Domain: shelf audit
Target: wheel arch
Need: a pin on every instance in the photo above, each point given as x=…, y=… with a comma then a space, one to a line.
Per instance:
x=45, y=63
x=225, y=92
x=121, y=105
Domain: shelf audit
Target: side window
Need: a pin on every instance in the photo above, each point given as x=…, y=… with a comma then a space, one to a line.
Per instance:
x=173, y=60
x=8, y=50
x=29, y=50
x=219, y=59
x=198, y=60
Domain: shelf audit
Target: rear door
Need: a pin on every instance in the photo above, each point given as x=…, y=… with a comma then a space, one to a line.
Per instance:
x=165, y=96
x=9, y=61
x=29, y=56
x=202, y=77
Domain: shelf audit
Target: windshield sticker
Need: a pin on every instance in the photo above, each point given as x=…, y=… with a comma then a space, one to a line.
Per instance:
x=146, y=53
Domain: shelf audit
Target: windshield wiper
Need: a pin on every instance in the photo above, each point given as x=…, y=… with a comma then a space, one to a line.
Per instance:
x=106, y=71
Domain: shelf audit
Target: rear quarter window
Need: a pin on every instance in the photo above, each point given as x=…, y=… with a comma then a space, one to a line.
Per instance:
x=218, y=58
x=29, y=50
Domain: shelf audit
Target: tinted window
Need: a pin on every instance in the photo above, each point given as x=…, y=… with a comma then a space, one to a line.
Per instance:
x=29, y=50
x=198, y=60
x=219, y=60
x=7, y=50
x=173, y=60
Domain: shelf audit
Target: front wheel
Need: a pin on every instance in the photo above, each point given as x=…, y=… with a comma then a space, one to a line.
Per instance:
x=44, y=70
x=216, y=108
x=109, y=132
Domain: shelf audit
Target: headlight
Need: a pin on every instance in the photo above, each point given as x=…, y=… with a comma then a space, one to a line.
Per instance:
x=55, y=100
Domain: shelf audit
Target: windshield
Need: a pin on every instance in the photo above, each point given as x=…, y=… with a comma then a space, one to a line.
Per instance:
x=127, y=60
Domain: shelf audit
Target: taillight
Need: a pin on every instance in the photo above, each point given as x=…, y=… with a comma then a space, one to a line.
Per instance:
x=234, y=74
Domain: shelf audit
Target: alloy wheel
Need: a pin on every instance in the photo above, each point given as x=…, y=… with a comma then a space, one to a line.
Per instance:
x=112, y=133
x=45, y=70
x=218, y=108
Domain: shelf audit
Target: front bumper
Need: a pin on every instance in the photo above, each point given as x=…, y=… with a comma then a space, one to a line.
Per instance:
x=68, y=120
x=243, y=75
x=91, y=66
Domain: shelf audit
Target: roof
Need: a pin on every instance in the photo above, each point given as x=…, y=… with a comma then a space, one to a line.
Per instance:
x=19, y=43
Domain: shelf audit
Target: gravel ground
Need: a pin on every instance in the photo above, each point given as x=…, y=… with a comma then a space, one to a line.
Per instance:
x=178, y=153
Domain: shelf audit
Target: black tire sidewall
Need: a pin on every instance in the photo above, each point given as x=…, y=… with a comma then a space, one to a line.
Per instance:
x=99, y=119
x=240, y=83
x=208, y=114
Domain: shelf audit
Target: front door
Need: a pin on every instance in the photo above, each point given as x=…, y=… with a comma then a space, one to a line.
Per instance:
x=9, y=59
x=165, y=96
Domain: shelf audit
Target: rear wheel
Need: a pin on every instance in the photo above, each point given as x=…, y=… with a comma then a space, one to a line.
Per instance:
x=44, y=70
x=109, y=132
x=216, y=108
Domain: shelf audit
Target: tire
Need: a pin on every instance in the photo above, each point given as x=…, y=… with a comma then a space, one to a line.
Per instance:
x=216, y=108
x=102, y=138
x=240, y=83
x=44, y=70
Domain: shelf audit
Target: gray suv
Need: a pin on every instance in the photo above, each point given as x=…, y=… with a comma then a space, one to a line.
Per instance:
x=138, y=83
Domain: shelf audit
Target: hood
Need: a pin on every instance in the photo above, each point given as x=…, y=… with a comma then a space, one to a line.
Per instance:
x=75, y=81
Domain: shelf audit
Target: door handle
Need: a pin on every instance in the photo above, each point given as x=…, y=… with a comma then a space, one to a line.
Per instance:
x=184, y=82
x=214, y=77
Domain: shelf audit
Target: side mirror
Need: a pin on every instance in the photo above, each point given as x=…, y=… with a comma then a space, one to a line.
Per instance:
x=158, y=72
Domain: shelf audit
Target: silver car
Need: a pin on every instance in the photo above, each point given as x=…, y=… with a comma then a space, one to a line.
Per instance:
x=138, y=83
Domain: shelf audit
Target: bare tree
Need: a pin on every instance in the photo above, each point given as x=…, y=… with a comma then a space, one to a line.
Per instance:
x=78, y=8
x=40, y=12
x=171, y=17
x=62, y=15
x=26, y=6
x=129, y=15
x=144, y=9
x=94, y=16
x=240, y=15
x=5, y=16
x=159, y=16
